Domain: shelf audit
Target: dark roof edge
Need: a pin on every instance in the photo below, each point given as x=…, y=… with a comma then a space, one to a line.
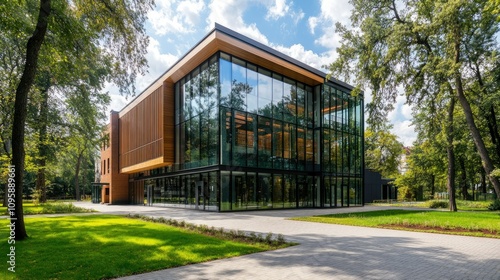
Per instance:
x=278, y=54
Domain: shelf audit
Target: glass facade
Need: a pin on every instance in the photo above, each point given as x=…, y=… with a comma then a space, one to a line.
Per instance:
x=248, y=138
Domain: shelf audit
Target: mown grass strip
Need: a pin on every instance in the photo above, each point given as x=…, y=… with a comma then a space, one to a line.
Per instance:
x=107, y=246
x=462, y=205
x=481, y=224
x=30, y=208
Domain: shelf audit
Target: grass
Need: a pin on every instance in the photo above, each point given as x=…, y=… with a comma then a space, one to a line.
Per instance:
x=483, y=224
x=462, y=205
x=107, y=246
x=30, y=208
x=467, y=205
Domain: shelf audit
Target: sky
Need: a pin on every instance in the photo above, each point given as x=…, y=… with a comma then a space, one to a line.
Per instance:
x=302, y=29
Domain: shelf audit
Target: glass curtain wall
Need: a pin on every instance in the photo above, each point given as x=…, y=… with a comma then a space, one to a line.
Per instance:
x=242, y=190
x=278, y=143
x=265, y=118
x=196, y=121
x=197, y=191
x=342, y=147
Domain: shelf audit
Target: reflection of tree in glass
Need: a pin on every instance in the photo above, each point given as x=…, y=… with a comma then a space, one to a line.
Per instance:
x=201, y=90
x=200, y=144
x=292, y=106
x=236, y=98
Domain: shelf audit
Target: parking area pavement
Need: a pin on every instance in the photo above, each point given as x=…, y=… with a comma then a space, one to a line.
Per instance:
x=329, y=251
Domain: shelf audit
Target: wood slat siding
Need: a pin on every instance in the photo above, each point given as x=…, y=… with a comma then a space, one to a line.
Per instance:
x=168, y=123
x=141, y=131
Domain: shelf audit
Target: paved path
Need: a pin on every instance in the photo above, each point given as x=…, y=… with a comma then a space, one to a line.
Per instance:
x=330, y=251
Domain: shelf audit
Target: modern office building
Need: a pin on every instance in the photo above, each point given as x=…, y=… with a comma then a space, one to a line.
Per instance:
x=236, y=125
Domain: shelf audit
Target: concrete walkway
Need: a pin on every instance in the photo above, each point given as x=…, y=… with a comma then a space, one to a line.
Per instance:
x=330, y=251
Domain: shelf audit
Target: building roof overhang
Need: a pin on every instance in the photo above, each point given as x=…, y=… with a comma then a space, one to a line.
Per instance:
x=224, y=39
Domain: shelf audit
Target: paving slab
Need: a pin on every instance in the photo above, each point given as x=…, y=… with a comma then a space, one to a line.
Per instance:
x=329, y=251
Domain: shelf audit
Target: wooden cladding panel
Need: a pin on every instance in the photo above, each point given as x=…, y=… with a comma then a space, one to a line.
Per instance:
x=141, y=131
x=169, y=119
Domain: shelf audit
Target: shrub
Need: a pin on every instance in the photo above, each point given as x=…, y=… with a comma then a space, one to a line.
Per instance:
x=438, y=204
x=281, y=239
x=232, y=234
x=269, y=238
x=495, y=205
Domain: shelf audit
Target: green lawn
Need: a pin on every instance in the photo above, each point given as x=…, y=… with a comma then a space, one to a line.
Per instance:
x=58, y=207
x=106, y=246
x=462, y=205
x=485, y=224
x=468, y=205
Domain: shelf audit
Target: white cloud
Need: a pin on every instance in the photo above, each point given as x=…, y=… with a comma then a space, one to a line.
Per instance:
x=158, y=63
x=172, y=16
x=336, y=11
x=297, y=16
x=401, y=119
x=278, y=10
x=395, y=114
x=308, y=57
x=313, y=22
x=405, y=131
x=230, y=14
x=118, y=102
x=331, y=13
x=329, y=40
x=406, y=111
x=190, y=11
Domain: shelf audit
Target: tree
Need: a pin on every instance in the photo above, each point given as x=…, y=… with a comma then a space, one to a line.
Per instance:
x=32, y=50
x=426, y=168
x=450, y=152
x=114, y=31
x=383, y=152
x=84, y=110
x=425, y=42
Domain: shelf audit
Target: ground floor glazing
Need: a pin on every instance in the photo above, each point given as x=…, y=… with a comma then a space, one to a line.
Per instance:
x=226, y=190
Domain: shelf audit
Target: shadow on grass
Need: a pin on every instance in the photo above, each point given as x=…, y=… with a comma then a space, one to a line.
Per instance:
x=103, y=246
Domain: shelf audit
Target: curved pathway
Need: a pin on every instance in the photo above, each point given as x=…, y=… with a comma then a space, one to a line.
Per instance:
x=330, y=251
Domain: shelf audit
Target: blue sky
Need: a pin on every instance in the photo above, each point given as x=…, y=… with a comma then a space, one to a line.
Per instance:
x=302, y=29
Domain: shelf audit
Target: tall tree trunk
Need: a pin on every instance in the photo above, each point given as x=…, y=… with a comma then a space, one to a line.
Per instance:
x=450, y=184
x=490, y=115
x=44, y=85
x=27, y=78
x=433, y=185
x=476, y=136
x=483, y=181
x=77, y=174
x=463, y=179
x=469, y=117
x=493, y=128
x=84, y=182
